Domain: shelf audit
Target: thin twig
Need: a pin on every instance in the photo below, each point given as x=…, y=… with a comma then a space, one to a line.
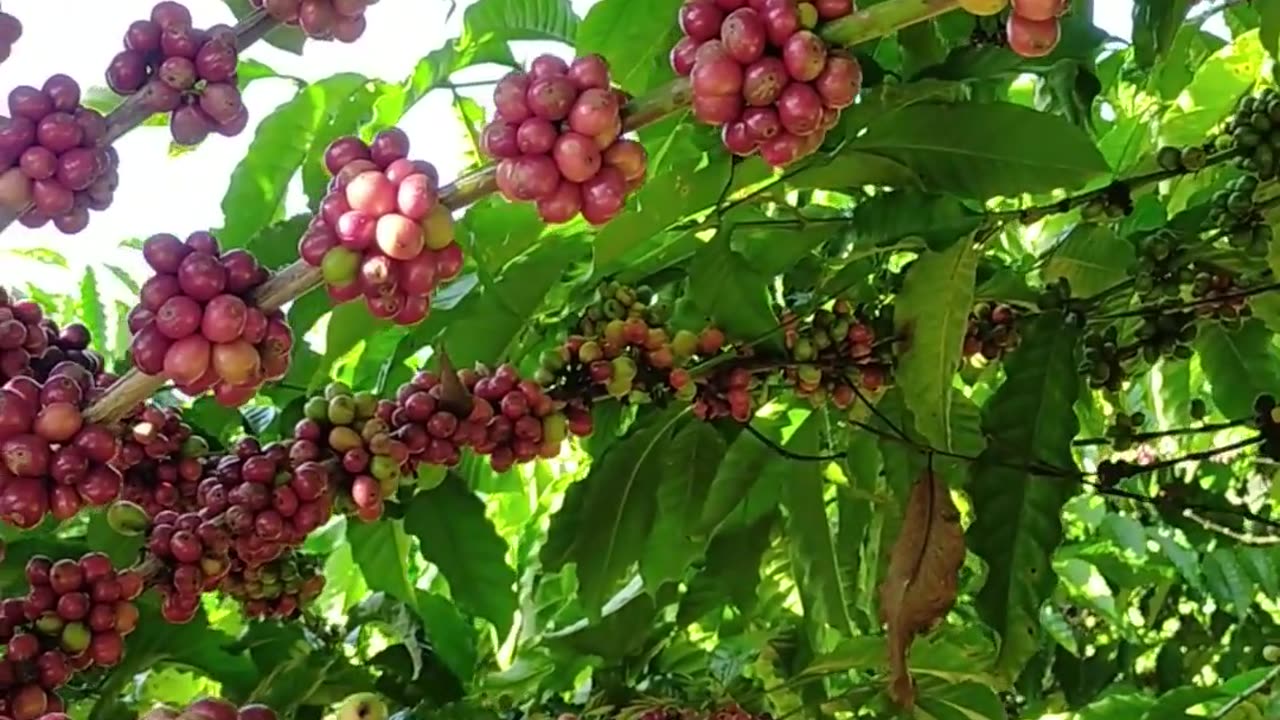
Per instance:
x=1245, y=694
x=1173, y=432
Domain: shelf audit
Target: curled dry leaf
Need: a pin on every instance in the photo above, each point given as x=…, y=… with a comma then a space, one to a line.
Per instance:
x=920, y=585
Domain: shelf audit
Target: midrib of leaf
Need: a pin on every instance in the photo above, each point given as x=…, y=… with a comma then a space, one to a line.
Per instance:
x=1016, y=160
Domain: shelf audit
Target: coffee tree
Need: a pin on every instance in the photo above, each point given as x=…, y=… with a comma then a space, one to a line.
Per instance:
x=775, y=358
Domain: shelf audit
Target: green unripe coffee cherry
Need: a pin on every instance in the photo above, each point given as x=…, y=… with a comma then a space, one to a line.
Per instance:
x=342, y=410
x=614, y=309
x=684, y=344
x=590, y=352
x=624, y=368
x=127, y=518
x=555, y=428
x=194, y=447
x=1194, y=158
x=618, y=387
x=336, y=389
x=317, y=409
x=1198, y=409
x=553, y=359
x=1271, y=653
x=1169, y=158
x=543, y=376
x=339, y=266
x=366, y=404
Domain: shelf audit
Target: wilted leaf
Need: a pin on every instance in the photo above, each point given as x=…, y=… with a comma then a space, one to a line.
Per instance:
x=921, y=584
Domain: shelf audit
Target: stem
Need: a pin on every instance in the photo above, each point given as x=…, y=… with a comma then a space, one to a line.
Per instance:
x=1248, y=692
x=299, y=278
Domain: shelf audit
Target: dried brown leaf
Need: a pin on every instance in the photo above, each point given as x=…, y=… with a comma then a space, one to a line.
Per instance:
x=924, y=571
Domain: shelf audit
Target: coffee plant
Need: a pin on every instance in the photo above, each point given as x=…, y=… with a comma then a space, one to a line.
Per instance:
x=911, y=359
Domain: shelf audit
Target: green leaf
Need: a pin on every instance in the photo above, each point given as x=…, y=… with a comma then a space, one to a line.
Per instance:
x=616, y=511
x=1155, y=22
x=962, y=701
x=505, y=307
x=345, y=117
x=1269, y=30
x=1092, y=258
x=692, y=183
x=349, y=324
x=932, y=314
x=634, y=37
x=451, y=634
x=940, y=220
x=1017, y=521
x=458, y=538
x=1240, y=365
x=689, y=468
x=1213, y=93
x=259, y=183
x=507, y=20
x=982, y=150
x=92, y=314
x=381, y=550
x=1228, y=582
x=808, y=531
x=725, y=288
x=44, y=256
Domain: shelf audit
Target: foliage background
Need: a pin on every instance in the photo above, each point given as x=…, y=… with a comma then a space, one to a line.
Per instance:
x=738, y=572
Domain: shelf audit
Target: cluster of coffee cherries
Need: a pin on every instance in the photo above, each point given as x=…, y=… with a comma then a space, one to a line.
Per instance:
x=279, y=589
x=195, y=322
x=557, y=141
x=341, y=20
x=1219, y=290
x=269, y=502
x=162, y=461
x=382, y=232
x=192, y=550
x=1253, y=131
x=31, y=344
x=51, y=459
x=1235, y=213
x=841, y=336
x=54, y=152
x=1033, y=28
x=991, y=332
x=75, y=616
x=352, y=435
x=624, y=347
x=184, y=71
x=1163, y=266
x=763, y=76
x=10, y=33
x=496, y=413
x=1124, y=429
x=211, y=709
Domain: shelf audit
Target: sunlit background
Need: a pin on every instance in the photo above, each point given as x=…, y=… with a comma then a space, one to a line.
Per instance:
x=180, y=194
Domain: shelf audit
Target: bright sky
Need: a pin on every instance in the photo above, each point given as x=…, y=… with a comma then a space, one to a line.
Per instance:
x=162, y=194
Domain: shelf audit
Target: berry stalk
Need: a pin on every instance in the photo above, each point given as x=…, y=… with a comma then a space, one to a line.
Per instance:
x=299, y=278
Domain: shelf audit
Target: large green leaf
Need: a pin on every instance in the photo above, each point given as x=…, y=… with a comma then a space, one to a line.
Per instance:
x=1240, y=365
x=1213, y=93
x=725, y=288
x=1092, y=258
x=255, y=197
x=612, y=520
x=689, y=467
x=92, y=313
x=634, y=37
x=1017, y=521
x=932, y=315
x=456, y=536
x=691, y=183
x=981, y=150
x=485, y=324
x=1269, y=27
x=808, y=531
x=1154, y=24
x=381, y=550
x=522, y=20
x=940, y=220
